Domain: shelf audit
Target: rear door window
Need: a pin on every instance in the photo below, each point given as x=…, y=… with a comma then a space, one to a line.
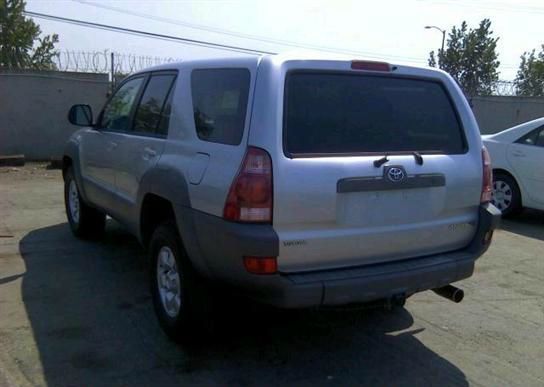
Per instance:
x=338, y=113
x=165, y=115
x=535, y=137
x=151, y=112
x=540, y=138
x=220, y=103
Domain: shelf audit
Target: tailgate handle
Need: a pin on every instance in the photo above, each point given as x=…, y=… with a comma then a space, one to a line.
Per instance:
x=366, y=184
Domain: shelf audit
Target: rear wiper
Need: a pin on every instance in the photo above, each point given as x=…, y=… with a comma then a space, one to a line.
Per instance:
x=418, y=157
x=378, y=163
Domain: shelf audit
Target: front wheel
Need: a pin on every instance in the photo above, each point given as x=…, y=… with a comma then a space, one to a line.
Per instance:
x=85, y=221
x=506, y=195
x=182, y=301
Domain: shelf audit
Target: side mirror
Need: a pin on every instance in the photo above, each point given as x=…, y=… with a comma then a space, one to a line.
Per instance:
x=81, y=115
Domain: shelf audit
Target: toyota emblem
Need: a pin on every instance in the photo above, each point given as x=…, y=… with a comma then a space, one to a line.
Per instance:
x=395, y=174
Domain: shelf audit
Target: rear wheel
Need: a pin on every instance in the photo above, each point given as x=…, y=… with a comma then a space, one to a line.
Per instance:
x=85, y=221
x=182, y=301
x=506, y=194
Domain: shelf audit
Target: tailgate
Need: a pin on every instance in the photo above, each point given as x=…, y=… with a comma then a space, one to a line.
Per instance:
x=372, y=168
x=345, y=213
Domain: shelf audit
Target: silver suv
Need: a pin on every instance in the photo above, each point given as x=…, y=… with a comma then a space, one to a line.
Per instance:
x=298, y=182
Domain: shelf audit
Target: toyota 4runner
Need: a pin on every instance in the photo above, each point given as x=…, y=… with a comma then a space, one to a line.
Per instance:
x=298, y=182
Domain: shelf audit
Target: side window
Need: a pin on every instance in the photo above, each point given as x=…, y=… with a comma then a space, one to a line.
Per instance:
x=149, y=113
x=116, y=114
x=220, y=104
x=540, y=138
x=165, y=115
x=534, y=137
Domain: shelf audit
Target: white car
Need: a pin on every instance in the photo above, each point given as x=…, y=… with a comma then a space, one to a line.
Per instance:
x=517, y=156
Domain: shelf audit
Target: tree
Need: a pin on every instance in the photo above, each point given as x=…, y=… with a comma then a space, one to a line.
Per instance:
x=471, y=58
x=20, y=42
x=530, y=77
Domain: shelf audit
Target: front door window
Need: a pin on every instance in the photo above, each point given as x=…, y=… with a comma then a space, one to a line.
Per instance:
x=116, y=114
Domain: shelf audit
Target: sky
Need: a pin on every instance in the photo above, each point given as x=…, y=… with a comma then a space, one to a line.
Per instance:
x=388, y=30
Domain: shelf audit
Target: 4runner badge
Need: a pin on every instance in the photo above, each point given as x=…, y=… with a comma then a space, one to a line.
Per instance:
x=300, y=242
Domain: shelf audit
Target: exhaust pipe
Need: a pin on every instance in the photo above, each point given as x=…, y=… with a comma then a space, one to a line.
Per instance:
x=451, y=293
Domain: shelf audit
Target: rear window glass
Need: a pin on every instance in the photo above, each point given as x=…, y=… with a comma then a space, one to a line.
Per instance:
x=220, y=103
x=328, y=113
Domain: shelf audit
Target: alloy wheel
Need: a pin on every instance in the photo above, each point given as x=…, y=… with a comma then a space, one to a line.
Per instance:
x=169, y=281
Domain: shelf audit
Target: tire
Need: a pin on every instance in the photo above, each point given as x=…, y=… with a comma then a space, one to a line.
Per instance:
x=506, y=195
x=182, y=301
x=85, y=222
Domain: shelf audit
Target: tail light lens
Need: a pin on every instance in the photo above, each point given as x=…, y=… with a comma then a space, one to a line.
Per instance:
x=487, y=184
x=250, y=195
x=261, y=265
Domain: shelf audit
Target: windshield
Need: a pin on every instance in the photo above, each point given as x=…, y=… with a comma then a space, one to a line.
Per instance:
x=339, y=113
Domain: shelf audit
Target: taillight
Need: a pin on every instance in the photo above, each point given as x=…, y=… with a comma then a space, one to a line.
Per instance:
x=370, y=65
x=250, y=195
x=487, y=183
x=261, y=265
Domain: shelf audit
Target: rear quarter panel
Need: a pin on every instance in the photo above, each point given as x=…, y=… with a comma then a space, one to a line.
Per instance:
x=208, y=168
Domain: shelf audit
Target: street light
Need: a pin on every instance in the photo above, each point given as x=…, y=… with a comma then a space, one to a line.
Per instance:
x=441, y=30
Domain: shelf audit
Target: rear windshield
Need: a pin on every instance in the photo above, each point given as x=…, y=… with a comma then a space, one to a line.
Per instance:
x=220, y=103
x=338, y=113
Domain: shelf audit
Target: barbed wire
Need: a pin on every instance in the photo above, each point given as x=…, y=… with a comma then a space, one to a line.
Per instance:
x=505, y=88
x=124, y=64
x=100, y=61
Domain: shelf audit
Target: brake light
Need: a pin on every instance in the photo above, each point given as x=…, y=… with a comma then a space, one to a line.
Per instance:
x=370, y=65
x=261, y=265
x=250, y=195
x=487, y=183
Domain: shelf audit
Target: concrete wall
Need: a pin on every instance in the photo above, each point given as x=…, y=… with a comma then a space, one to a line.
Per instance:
x=34, y=108
x=498, y=113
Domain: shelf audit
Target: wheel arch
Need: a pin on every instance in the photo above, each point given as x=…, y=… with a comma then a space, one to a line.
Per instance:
x=503, y=171
x=165, y=188
x=67, y=162
x=70, y=158
x=154, y=210
x=168, y=186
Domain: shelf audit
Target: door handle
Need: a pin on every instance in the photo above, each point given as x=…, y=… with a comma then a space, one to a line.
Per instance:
x=149, y=153
x=518, y=154
x=112, y=145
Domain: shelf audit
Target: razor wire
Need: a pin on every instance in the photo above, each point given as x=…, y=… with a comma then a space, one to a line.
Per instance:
x=506, y=88
x=100, y=61
x=126, y=63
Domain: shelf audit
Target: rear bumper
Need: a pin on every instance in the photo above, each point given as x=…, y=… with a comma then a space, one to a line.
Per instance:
x=358, y=285
x=223, y=244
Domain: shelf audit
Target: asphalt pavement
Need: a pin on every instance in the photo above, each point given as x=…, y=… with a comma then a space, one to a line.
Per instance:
x=78, y=313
